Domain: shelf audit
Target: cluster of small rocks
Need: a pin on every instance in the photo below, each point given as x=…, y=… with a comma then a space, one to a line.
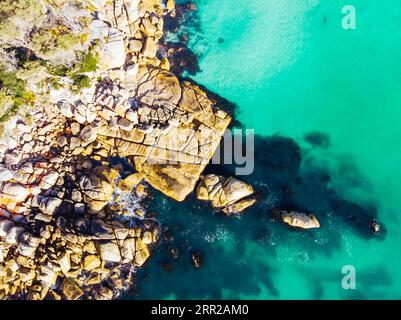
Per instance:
x=58, y=237
x=86, y=257
x=130, y=30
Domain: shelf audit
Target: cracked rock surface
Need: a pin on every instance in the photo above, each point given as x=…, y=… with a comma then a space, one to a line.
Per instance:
x=230, y=195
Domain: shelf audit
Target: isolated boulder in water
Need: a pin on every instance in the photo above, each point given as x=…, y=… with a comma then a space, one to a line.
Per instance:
x=375, y=227
x=226, y=193
x=300, y=220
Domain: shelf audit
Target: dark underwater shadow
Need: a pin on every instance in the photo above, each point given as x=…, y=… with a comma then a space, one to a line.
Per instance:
x=282, y=178
x=300, y=185
x=223, y=242
x=318, y=139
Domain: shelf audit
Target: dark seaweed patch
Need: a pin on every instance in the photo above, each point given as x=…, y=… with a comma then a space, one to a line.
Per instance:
x=318, y=139
x=281, y=180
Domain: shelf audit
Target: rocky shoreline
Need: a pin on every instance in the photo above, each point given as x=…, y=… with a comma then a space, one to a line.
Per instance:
x=76, y=167
x=72, y=224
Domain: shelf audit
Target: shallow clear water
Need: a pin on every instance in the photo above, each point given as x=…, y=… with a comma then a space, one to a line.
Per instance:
x=291, y=69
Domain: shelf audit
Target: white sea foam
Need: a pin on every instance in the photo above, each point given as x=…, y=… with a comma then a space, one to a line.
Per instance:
x=220, y=234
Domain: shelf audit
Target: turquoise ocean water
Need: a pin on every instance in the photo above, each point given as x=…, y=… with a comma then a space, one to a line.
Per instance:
x=326, y=104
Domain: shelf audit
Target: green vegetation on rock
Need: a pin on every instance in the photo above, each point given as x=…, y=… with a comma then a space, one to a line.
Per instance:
x=41, y=42
x=78, y=72
x=13, y=94
x=89, y=62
